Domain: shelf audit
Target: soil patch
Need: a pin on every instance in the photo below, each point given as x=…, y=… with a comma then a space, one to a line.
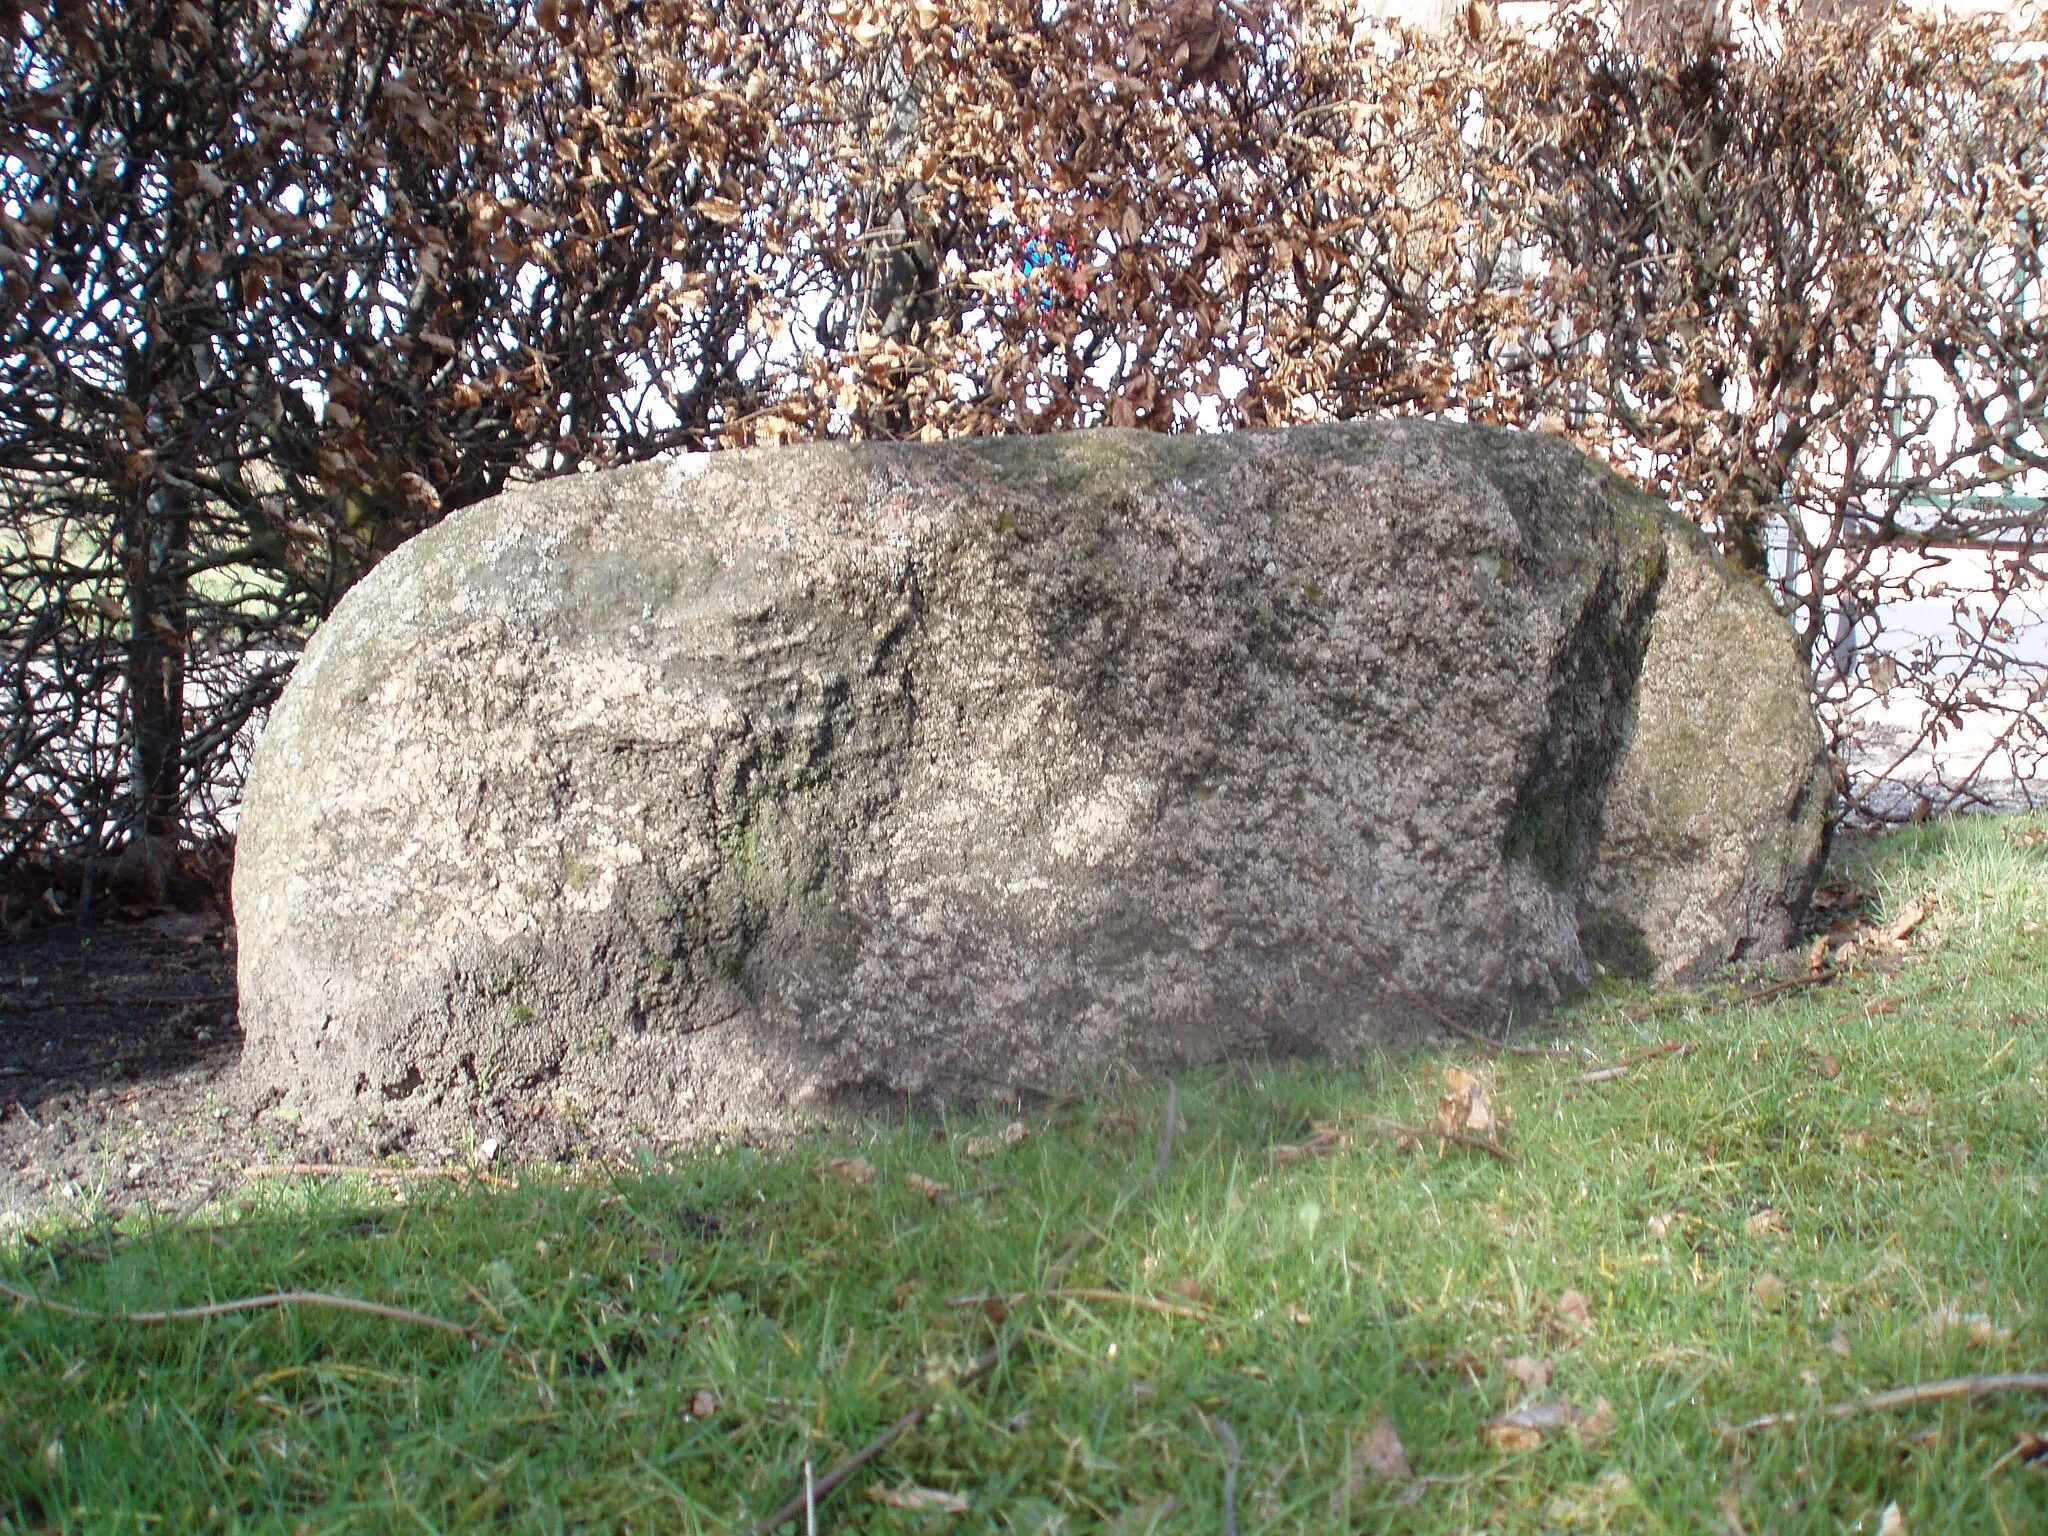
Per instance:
x=115, y=1042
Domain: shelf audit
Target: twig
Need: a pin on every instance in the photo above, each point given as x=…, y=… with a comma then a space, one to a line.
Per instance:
x=1127, y=1298
x=1904, y=1397
x=370, y=1171
x=1455, y=1138
x=814, y=1493
x=248, y=1304
x=1477, y=1037
x=1220, y=1428
x=1629, y=1063
x=1759, y=994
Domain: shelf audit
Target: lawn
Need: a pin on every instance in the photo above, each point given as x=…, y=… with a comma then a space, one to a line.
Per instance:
x=1828, y=1192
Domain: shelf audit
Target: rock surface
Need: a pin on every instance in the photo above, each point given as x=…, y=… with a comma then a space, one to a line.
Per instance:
x=725, y=790
x=1717, y=825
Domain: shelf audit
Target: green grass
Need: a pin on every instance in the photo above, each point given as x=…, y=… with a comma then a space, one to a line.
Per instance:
x=1378, y=1280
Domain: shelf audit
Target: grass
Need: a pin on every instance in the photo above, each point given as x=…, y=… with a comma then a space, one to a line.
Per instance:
x=687, y=1335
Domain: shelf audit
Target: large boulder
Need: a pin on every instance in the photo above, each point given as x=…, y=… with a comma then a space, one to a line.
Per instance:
x=732, y=788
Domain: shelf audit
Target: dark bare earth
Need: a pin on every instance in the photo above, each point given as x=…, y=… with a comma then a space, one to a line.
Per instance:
x=114, y=1045
x=118, y=1050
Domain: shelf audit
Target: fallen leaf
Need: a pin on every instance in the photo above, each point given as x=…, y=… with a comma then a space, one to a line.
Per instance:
x=704, y=1404
x=1660, y=1225
x=1914, y=1104
x=1891, y=1522
x=988, y=1146
x=1465, y=1108
x=1195, y=1291
x=1839, y=1344
x=905, y=1293
x=928, y=1500
x=1598, y=1423
x=1510, y=1438
x=1527, y=1372
x=1574, y=1309
x=1817, y=957
x=1766, y=1220
x=1379, y=1454
x=1300, y=1316
x=1959, y=1154
x=1828, y=1065
x=1911, y=918
x=1526, y=1427
x=1976, y=1327
x=855, y=1170
x=1771, y=1291
x=931, y=1189
x=1122, y=1121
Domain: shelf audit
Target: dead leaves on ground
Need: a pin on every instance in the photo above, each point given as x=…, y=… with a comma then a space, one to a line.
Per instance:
x=1467, y=1115
x=851, y=1170
x=1527, y=1427
x=1016, y=1133
x=932, y=1189
x=1571, y=1317
x=1465, y=1109
x=1975, y=1328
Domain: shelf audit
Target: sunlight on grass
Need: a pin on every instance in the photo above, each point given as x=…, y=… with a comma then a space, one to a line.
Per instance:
x=1835, y=1192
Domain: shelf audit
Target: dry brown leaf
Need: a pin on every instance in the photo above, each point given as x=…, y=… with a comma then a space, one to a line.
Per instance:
x=1195, y=1291
x=1527, y=1427
x=1828, y=1065
x=1300, y=1316
x=704, y=1403
x=1465, y=1108
x=1121, y=1121
x=1527, y=1372
x=1771, y=1291
x=1976, y=1327
x=905, y=1294
x=1011, y=1135
x=1510, y=1438
x=1379, y=1454
x=1958, y=1154
x=925, y=1500
x=931, y=1189
x=1839, y=1344
x=1766, y=1220
x=854, y=1170
x=1891, y=1522
x=1911, y=918
x=1574, y=1310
